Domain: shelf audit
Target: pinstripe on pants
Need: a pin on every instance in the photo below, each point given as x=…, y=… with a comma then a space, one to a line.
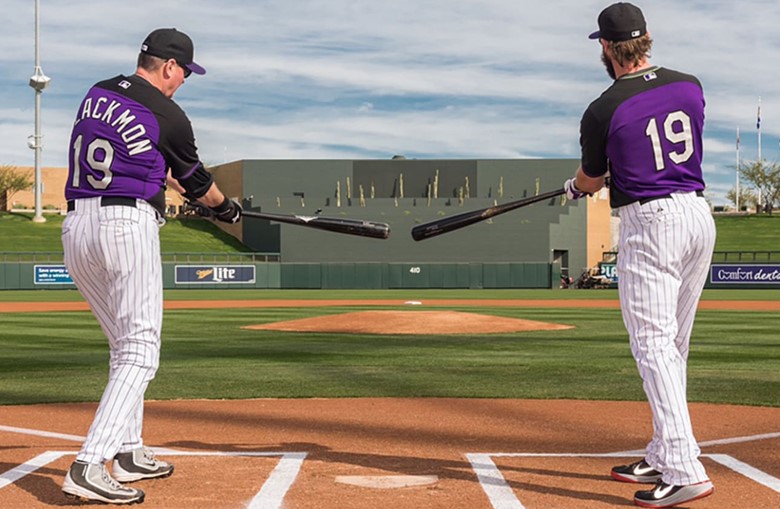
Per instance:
x=113, y=255
x=665, y=249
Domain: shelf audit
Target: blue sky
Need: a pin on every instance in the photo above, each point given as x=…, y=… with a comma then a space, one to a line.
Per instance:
x=357, y=79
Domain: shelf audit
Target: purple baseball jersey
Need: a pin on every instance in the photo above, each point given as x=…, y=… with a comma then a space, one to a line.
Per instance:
x=125, y=137
x=646, y=130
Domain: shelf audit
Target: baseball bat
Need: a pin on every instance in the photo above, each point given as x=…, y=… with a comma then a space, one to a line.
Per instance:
x=448, y=224
x=332, y=224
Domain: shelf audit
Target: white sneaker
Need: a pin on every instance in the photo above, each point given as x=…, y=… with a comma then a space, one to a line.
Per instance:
x=91, y=481
x=666, y=495
x=139, y=464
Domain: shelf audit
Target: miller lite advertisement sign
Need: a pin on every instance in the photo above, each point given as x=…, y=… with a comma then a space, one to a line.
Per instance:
x=215, y=274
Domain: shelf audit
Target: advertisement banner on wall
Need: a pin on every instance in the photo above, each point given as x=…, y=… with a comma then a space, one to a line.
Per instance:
x=215, y=274
x=51, y=275
x=608, y=271
x=724, y=273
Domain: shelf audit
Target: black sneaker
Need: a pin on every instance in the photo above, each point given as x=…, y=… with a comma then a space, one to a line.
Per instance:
x=91, y=481
x=639, y=472
x=666, y=495
x=139, y=464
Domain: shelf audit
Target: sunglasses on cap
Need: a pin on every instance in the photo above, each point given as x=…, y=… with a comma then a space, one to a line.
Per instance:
x=184, y=68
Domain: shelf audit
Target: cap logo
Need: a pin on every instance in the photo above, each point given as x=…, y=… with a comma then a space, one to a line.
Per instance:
x=636, y=33
x=144, y=47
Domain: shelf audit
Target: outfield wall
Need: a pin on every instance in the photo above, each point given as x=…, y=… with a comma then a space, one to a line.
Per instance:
x=220, y=273
x=337, y=275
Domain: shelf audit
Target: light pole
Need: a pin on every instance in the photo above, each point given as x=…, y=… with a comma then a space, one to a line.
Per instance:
x=38, y=82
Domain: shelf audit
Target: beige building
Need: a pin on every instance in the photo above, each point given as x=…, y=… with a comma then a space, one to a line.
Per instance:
x=53, y=192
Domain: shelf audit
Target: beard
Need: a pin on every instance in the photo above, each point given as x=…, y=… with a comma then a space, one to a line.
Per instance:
x=608, y=64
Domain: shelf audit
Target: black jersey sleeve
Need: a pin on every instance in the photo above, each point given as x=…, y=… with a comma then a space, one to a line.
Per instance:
x=593, y=140
x=197, y=183
x=177, y=145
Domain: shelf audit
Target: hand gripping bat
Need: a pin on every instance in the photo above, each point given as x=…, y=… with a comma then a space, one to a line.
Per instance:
x=450, y=223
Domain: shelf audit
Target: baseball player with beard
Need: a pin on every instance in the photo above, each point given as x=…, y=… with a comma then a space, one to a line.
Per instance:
x=128, y=135
x=646, y=132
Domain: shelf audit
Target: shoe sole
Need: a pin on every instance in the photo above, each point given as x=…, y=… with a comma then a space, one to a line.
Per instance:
x=133, y=477
x=644, y=479
x=662, y=505
x=88, y=496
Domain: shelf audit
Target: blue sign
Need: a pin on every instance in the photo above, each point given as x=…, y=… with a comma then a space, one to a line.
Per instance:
x=219, y=274
x=52, y=275
x=745, y=274
x=609, y=271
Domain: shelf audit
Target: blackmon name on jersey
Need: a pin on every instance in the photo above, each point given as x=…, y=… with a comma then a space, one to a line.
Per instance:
x=105, y=109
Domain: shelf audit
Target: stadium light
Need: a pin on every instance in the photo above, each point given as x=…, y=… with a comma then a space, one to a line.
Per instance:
x=38, y=82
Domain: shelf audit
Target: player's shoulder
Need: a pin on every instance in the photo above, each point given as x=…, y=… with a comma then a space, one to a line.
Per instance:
x=144, y=93
x=674, y=75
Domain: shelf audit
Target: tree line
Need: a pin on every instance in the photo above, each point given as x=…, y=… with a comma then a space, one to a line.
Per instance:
x=759, y=186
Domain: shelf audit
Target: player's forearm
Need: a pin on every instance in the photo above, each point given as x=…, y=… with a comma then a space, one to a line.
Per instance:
x=213, y=196
x=588, y=184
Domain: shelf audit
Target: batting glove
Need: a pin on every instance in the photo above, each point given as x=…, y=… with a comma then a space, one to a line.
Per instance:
x=229, y=211
x=572, y=193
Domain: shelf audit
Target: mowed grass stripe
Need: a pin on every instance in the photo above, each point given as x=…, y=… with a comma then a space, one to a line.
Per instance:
x=59, y=357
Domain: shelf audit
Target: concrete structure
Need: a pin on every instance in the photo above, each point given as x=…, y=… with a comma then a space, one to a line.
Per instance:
x=404, y=193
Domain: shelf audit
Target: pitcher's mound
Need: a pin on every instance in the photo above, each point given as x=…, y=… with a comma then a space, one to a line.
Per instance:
x=410, y=322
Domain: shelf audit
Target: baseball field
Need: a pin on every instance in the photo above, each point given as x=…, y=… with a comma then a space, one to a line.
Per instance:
x=392, y=398
x=478, y=399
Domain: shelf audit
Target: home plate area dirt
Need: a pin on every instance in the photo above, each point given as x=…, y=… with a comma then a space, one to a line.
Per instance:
x=410, y=322
x=396, y=453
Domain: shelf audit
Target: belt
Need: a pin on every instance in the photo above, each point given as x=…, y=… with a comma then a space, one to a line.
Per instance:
x=700, y=194
x=105, y=201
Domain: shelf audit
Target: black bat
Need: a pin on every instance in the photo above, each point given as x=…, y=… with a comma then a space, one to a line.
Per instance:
x=448, y=224
x=331, y=224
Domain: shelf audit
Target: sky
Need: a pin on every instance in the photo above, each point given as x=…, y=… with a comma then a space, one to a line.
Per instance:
x=370, y=79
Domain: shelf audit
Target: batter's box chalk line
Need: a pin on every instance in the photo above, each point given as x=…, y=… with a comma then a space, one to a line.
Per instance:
x=270, y=496
x=502, y=496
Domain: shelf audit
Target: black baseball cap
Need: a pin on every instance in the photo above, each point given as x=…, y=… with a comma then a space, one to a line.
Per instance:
x=621, y=21
x=170, y=43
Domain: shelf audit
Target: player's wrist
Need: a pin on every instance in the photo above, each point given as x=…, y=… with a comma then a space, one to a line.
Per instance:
x=222, y=207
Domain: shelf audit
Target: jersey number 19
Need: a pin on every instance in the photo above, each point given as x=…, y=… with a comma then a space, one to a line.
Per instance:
x=677, y=129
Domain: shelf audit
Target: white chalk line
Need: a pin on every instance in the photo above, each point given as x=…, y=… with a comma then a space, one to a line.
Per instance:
x=270, y=496
x=39, y=433
x=16, y=473
x=723, y=441
x=501, y=495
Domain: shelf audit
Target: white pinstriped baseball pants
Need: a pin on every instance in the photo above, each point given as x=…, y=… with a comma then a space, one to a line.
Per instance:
x=664, y=255
x=113, y=255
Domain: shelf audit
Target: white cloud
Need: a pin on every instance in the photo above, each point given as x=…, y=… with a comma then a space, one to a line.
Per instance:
x=364, y=78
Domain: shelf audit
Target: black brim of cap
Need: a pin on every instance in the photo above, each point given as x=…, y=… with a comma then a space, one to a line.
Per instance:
x=595, y=35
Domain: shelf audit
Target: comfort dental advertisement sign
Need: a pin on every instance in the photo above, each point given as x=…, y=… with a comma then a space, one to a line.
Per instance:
x=745, y=274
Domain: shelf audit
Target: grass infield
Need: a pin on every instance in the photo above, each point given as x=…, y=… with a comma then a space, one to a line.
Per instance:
x=62, y=356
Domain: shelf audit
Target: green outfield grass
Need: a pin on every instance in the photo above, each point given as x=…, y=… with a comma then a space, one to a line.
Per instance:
x=62, y=357
x=190, y=235
x=748, y=233
x=735, y=233
x=206, y=354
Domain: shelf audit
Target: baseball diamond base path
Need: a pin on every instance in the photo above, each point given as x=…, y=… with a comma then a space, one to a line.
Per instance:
x=471, y=453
